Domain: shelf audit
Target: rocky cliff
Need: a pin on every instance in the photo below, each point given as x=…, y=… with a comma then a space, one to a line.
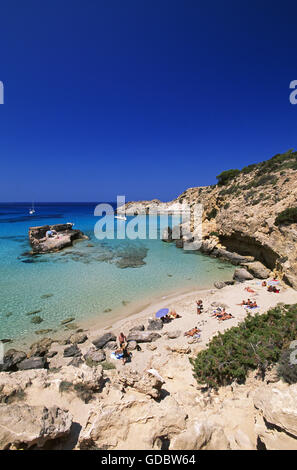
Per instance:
x=240, y=214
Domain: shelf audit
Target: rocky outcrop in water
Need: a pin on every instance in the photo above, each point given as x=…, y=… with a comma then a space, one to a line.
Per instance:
x=63, y=236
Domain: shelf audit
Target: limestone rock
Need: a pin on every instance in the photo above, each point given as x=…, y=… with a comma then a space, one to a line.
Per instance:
x=219, y=284
x=101, y=341
x=90, y=378
x=32, y=363
x=78, y=338
x=150, y=383
x=137, y=328
x=278, y=405
x=173, y=334
x=143, y=337
x=241, y=274
x=258, y=270
x=24, y=426
x=95, y=355
x=155, y=324
x=72, y=351
x=11, y=359
x=65, y=236
x=132, y=345
x=40, y=348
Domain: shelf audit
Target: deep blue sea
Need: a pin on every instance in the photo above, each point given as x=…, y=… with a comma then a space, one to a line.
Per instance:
x=94, y=278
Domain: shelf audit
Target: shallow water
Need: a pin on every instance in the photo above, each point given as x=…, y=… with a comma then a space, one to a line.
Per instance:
x=89, y=278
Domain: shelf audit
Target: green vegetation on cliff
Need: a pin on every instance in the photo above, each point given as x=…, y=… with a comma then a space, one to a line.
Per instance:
x=263, y=170
x=287, y=216
x=255, y=343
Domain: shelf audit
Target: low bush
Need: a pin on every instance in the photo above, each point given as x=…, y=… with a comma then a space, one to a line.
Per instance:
x=226, y=176
x=287, y=216
x=255, y=343
x=212, y=214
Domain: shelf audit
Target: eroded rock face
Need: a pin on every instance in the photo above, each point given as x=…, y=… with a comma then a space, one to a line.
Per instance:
x=150, y=383
x=24, y=426
x=279, y=408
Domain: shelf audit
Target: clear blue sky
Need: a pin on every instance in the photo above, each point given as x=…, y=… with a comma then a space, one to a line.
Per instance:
x=141, y=97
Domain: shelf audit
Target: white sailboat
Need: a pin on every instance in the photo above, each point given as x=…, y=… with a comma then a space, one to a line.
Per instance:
x=32, y=210
x=120, y=217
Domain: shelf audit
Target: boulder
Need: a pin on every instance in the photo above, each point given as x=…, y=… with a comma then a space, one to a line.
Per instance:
x=257, y=269
x=95, y=355
x=90, y=378
x=278, y=406
x=179, y=243
x=150, y=383
x=143, y=336
x=78, y=338
x=155, y=324
x=132, y=345
x=137, y=328
x=219, y=284
x=111, y=345
x=32, y=363
x=72, y=351
x=101, y=341
x=24, y=426
x=173, y=334
x=40, y=348
x=11, y=359
x=241, y=275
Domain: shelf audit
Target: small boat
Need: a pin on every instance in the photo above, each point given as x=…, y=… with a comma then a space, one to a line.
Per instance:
x=32, y=210
x=120, y=217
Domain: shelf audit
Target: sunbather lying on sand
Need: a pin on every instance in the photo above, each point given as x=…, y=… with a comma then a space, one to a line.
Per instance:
x=192, y=332
x=227, y=316
x=248, y=289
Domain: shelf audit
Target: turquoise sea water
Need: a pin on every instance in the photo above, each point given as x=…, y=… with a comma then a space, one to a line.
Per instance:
x=90, y=277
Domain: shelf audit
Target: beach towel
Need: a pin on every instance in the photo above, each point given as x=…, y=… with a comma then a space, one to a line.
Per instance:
x=113, y=355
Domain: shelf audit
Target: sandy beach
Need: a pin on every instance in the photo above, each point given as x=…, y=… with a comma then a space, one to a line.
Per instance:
x=185, y=305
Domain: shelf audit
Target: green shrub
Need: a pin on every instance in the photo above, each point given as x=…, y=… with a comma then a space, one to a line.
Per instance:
x=287, y=216
x=226, y=176
x=214, y=234
x=107, y=365
x=286, y=370
x=65, y=386
x=227, y=205
x=212, y=214
x=254, y=344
